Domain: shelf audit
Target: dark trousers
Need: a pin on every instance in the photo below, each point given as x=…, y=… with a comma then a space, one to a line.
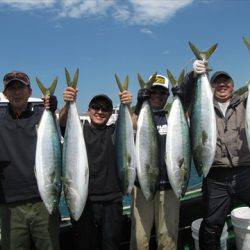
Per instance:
x=220, y=188
x=99, y=227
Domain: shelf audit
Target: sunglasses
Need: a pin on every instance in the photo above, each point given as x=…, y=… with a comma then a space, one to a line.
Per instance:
x=159, y=92
x=99, y=106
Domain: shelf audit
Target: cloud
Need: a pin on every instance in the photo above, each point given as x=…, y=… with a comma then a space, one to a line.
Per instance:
x=139, y=12
x=146, y=31
x=28, y=4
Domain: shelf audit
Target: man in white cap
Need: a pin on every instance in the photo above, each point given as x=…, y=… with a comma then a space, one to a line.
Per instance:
x=163, y=210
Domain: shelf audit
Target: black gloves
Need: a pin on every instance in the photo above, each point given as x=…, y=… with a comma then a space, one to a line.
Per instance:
x=178, y=91
x=52, y=103
x=143, y=95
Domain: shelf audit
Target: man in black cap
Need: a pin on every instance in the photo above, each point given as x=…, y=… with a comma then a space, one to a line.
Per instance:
x=229, y=176
x=24, y=216
x=100, y=225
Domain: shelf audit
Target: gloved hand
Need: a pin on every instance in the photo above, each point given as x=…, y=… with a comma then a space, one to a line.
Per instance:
x=178, y=91
x=52, y=103
x=143, y=95
x=200, y=67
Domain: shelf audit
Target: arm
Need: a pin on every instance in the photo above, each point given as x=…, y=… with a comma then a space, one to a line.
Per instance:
x=69, y=95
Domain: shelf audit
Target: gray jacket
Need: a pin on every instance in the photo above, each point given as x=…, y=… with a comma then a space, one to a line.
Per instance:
x=232, y=148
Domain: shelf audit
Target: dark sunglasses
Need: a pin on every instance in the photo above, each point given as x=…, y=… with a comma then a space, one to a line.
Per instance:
x=159, y=92
x=99, y=106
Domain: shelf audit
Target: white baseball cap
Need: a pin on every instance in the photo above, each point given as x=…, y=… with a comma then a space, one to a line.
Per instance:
x=160, y=81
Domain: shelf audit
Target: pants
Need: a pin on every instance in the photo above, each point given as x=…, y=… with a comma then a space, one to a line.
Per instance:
x=220, y=188
x=28, y=221
x=99, y=227
x=163, y=211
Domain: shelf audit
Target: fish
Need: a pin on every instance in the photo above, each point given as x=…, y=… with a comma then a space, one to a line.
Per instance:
x=247, y=42
x=178, y=150
x=147, y=146
x=247, y=121
x=75, y=169
x=124, y=144
x=202, y=119
x=48, y=158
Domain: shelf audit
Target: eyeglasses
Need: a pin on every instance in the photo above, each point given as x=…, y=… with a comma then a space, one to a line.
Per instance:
x=159, y=92
x=99, y=106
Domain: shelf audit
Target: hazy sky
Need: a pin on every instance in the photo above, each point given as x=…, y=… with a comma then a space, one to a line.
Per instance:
x=104, y=37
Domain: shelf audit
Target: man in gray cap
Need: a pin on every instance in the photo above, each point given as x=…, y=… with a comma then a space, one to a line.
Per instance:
x=229, y=176
x=24, y=216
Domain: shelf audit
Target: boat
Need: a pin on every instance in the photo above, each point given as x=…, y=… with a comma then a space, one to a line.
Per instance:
x=190, y=210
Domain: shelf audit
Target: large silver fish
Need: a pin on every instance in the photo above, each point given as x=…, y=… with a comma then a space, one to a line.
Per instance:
x=48, y=155
x=247, y=126
x=202, y=119
x=124, y=144
x=147, y=152
x=75, y=162
x=178, y=153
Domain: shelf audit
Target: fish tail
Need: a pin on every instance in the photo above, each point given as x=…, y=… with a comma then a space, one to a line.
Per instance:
x=47, y=91
x=247, y=42
x=202, y=55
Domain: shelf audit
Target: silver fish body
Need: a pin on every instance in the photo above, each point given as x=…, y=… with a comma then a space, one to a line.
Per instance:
x=178, y=152
x=125, y=149
x=247, y=122
x=48, y=161
x=75, y=164
x=147, y=151
x=203, y=126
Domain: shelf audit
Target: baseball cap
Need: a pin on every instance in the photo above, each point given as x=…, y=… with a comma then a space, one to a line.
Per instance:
x=219, y=74
x=160, y=81
x=16, y=76
x=103, y=97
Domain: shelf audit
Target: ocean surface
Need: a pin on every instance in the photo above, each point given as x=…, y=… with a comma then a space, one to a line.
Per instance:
x=194, y=182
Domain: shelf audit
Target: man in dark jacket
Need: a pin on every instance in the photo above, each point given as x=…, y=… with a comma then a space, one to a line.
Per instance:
x=229, y=177
x=24, y=216
x=163, y=210
x=99, y=227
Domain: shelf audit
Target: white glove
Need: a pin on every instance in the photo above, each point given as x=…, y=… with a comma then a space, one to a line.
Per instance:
x=199, y=67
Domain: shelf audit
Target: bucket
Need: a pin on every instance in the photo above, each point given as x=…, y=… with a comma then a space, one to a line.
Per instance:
x=195, y=226
x=240, y=218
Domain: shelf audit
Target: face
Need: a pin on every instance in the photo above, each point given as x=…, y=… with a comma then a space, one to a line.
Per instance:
x=223, y=88
x=158, y=98
x=99, y=113
x=18, y=94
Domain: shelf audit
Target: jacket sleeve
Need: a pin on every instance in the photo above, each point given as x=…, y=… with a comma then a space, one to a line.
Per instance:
x=188, y=89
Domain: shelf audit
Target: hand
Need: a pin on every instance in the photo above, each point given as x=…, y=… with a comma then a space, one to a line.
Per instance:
x=143, y=95
x=125, y=97
x=50, y=103
x=178, y=91
x=200, y=67
x=70, y=94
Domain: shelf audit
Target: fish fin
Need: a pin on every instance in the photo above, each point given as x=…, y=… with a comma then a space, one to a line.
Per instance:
x=119, y=83
x=202, y=55
x=247, y=42
x=181, y=161
x=204, y=137
x=181, y=77
x=53, y=86
x=75, y=79
x=41, y=87
x=172, y=79
x=151, y=80
x=196, y=158
x=141, y=81
x=68, y=79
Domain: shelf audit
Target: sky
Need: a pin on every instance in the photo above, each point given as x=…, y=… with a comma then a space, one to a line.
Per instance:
x=104, y=37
